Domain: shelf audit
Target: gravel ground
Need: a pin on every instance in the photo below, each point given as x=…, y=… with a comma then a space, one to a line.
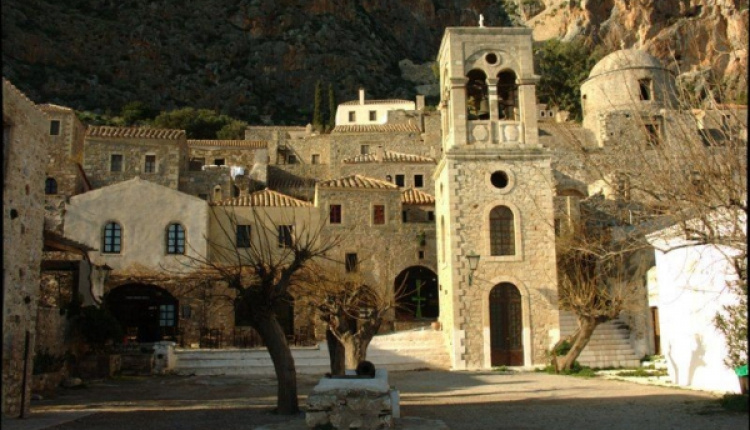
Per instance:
x=463, y=400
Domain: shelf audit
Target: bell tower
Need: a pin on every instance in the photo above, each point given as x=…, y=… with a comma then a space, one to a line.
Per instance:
x=494, y=199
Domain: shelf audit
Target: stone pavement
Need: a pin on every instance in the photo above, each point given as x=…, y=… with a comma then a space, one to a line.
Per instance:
x=482, y=400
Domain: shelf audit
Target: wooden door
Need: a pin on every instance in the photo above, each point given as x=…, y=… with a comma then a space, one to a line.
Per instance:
x=506, y=326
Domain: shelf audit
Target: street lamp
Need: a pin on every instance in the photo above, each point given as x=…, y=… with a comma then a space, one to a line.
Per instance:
x=473, y=263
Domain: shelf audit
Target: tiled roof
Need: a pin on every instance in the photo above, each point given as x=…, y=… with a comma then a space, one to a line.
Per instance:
x=54, y=108
x=377, y=128
x=134, y=132
x=264, y=198
x=411, y=196
x=390, y=157
x=378, y=102
x=233, y=143
x=358, y=181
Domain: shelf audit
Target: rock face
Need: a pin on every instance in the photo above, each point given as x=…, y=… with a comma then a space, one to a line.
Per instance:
x=687, y=35
x=250, y=58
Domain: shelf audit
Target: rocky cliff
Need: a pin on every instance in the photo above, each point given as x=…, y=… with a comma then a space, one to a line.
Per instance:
x=254, y=58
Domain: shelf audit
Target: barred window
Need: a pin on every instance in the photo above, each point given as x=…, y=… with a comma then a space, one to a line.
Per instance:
x=50, y=186
x=502, y=232
x=175, y=239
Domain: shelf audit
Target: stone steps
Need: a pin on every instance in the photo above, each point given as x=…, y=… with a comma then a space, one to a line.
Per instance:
x=409, y=350
x=609, y=345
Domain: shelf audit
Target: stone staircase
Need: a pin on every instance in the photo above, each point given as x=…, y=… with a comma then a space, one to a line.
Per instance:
x=405, y=350
x=609, y=345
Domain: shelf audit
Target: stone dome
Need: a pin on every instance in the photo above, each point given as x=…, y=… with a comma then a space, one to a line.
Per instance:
x=625, y=59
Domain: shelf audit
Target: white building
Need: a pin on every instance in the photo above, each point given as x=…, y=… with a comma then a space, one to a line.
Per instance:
x=369, y=112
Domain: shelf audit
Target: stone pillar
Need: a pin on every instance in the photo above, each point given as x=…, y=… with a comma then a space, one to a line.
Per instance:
x=527, y=110
x=164, y=357
x=492, y=96
x=457, y=110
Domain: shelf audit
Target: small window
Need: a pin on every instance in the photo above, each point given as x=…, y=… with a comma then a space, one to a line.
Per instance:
x=418, y=181
x=421, y=255
x=373, y=115
x=150, y=164
x=653, y=135
x=557, y=227
x=542, y=113
x=285, y=236
x=502, y=231
x=404, y=216
x=378, y=214
x=315, y=159
x=389, y=178
x=645, y=89
x=166, y=316
x=54, y=127
x=351, y=262
x=364, y=149
x=243, y=236
x=187, y=311
x=218, y=161
x=218, y=195
x=499, y=179
x=430, y=215
x=175, y=239
x=334, y=214
x=352, y=116
x=196, y=164
x=112, y=240
x=400, y=180
x=50, y=186
x=291, y=159
x=115, y=163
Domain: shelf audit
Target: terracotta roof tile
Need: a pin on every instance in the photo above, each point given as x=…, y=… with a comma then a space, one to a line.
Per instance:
x=358, y=181
x=389, y=157
x=377, y=128
x=134, y=132
x=411, y=196
x=268, y=198
x=232, y=143
x=378, y=102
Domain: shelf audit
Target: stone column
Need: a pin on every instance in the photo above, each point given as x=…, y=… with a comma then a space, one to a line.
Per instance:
x=527, y=110
x=492, y=99
x=457, y=110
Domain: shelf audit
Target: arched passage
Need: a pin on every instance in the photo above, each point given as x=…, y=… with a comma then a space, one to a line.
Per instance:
x=420, y=294
x=507, y=95
x=145, y=311
x=477, y=99
x=506, y=325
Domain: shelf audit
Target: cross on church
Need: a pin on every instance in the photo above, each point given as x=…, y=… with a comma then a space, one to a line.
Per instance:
x=418, y=299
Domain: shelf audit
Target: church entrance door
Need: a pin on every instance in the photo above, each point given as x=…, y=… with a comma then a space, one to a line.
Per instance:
x=506, y=326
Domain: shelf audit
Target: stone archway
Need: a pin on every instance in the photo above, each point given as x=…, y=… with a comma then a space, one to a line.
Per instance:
x=420, y=298
x=506, y=326
x=147, y=313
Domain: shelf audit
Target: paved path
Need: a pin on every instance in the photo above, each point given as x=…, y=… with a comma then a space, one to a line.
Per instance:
x=463, y=400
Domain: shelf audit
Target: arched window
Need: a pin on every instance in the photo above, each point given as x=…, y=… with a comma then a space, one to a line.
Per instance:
x=175, y=239
x=477, y=100
x=50, y=186
x=507, y=95
x=112, y=240
x=502, y=231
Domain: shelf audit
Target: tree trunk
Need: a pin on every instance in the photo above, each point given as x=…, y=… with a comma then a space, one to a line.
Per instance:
x=356, y=350
x=586, y=329
x=283, y=363
x=335, y=353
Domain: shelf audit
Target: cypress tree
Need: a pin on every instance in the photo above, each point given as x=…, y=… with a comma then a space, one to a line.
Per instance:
x=317, y=114
x=331, y=108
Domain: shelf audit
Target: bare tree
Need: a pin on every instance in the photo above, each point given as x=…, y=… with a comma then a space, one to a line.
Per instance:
x=352, y=310
x=600, y=275
x=260, y=257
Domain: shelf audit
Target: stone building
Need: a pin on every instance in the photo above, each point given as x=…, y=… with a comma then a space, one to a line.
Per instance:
x=26, y=137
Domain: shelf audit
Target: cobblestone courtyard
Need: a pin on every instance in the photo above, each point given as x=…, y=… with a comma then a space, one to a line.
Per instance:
x=463, y=400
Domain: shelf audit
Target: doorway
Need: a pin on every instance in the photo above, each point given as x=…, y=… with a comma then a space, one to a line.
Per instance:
x=506, y=326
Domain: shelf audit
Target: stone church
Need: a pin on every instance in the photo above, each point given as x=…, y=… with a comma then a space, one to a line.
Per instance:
x=462, y=203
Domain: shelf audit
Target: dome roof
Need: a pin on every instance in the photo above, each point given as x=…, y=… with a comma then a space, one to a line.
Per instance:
x=625, y=59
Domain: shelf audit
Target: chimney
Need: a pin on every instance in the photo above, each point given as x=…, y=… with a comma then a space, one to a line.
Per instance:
x=380, y=153
x=420, y=102
x=361, y=96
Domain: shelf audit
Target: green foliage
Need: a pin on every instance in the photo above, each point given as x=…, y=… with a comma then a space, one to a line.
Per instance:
x=99, y=327
x=575, y=370
x=642, y=373
x=235, y=130
x=732, y=321
x=44, y=362
x=197, y=123
x=735, y=402
x=331, y=107
x=563, y=67
x=93, y=118
x=562, y=349
x=317, y=121
x=135, y=113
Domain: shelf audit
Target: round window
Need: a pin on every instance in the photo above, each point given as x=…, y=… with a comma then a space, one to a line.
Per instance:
x=490, y=58
x=499, y=179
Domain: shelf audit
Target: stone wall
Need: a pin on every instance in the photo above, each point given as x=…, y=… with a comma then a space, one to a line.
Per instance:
x=213, y=183
x=25, y=143
x=170, y=157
